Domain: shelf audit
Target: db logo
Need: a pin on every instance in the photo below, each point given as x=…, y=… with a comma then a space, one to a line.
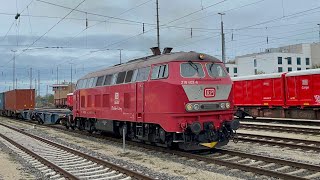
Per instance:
x=209, y=92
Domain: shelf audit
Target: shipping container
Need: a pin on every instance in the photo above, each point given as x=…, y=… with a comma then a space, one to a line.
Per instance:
x=20, y=99
x=2, y=102
x=303, y=88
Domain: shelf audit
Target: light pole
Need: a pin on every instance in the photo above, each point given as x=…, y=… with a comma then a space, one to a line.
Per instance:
x=319, y=32
x=14, y=69
x=223, y=54
x=120, y=55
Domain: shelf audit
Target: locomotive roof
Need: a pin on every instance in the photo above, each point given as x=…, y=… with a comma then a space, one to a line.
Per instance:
x=149, y=60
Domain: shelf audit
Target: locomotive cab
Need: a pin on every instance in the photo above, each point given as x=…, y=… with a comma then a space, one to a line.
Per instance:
x=196, y=95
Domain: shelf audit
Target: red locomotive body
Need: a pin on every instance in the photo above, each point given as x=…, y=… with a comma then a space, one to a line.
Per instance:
x=283, y=95
x=174, y=98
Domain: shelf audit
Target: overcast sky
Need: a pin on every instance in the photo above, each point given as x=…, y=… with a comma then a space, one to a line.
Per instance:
x=118, y=24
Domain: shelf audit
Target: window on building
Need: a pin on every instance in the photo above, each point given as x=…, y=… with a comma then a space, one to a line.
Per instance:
x=279, y=60
x=298, y=61
x=255, y=63
x=235, y=70
x=100, y=81
x=108, y=79
x=307, y=68
x=143, y=74
x=289, y=69
x=235, y=75
x=121, y=76
x=255, y=71
x=159, y=72
x=307, y=61
x=193, y=70
x=228, y=69
x=280, y=69
x=289, y=60
x=299, y=69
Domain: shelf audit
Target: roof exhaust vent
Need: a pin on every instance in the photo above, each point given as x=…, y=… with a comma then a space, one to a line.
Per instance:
x=167, y=50
x=156, y=51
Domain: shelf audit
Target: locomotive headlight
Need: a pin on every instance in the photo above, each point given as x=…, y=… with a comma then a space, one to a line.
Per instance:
x=196, y=107
x=189, y=107
x=223, y=105
x=227, y=105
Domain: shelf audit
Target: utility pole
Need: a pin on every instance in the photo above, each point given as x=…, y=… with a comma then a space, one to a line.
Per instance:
x=14, y=69
x=71, y=74
x=30, y=78
x=16, y=83
x=57, y=74
x=120, y=55
x=158, y=29
x=39, y=82
x=223, y=54
x=35, y=86
x=319, y=32
x=47, y=89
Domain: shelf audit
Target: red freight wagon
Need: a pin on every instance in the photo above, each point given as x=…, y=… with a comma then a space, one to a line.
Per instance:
x=18, y=100
x=282, y=95
x=255, y=95
x=170, y=99
x=70, y=100
x=303, y=88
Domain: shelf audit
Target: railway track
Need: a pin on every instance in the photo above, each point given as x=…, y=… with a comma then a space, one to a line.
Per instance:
x=257, y=164
x=283, y=121
x=60, y=162
x=288, y=129
x=280, y=141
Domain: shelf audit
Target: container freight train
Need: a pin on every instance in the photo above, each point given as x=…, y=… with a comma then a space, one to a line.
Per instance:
x=13, y=103
x=171, y=99
x=281, y=95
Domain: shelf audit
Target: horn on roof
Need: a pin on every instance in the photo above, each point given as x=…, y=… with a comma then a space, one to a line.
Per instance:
x=156, y=51
x=167, y=50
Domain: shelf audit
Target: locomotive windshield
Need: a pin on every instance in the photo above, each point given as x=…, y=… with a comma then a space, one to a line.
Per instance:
x=215, y=70
x=191, y=69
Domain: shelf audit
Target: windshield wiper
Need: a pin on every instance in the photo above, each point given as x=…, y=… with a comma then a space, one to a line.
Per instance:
x=194, y=66
x=211, y=67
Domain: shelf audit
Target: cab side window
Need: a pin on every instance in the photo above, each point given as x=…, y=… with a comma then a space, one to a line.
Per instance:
x=160, y=72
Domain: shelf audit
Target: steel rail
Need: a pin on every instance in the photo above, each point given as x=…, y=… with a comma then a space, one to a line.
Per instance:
x=284, y=121
x=284, y=142
x=282, y=128
x=242, y=167
x=40, y=159
x=94, y=159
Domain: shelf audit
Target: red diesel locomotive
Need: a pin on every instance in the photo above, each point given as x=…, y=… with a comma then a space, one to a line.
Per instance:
x=179, y=99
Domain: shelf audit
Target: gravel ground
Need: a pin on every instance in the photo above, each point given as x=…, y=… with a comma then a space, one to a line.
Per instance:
x=158, y=165
x=174, y=167
x=12, y=166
